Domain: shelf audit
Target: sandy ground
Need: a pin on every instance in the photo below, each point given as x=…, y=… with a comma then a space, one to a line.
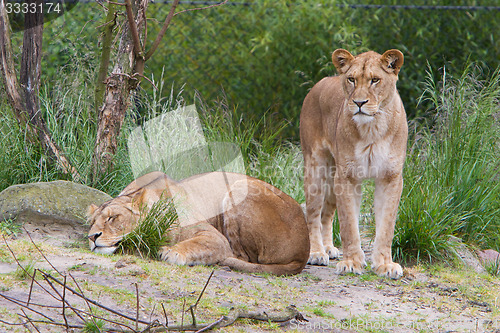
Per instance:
x=432, y=299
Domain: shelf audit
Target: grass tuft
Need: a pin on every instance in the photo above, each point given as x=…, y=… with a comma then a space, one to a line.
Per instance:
x=451, y=174
x=151, y=231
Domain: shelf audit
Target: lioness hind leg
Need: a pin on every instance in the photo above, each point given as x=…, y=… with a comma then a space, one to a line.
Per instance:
x=201, y=244
x=329, y=206
x=315, y=176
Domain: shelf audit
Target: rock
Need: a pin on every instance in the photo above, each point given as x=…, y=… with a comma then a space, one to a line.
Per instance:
x=488, y=257
x=468, y=257
x=53, y=211
x=61, y=200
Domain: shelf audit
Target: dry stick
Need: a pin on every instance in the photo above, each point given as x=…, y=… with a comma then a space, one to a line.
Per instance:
x=64, y=304
x=30, y=321
x=31, y=287
x=21, y=304
x=19, y=264
x=96, y=303
x=137, y=305
x=193, y=307
x=163, y=30
x=202, y=8
x=212, y=325
x=165, y=314
x=64, y=291
x=50, y=323
x=92, y=317
x=40, y=251
x=182, y=317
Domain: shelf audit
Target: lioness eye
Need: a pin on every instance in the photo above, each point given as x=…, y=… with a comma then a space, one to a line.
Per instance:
x=375, y=80
x=351, y=79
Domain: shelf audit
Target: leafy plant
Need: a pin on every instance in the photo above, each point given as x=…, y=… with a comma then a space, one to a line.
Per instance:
x=151, y=231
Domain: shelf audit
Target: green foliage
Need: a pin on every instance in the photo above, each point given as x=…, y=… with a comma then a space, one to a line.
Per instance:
x=451, y=174
x=26, y=272
x=94, y=325
x=440, y=37
x=9, y=227
x=151, y=231
x=265, y=55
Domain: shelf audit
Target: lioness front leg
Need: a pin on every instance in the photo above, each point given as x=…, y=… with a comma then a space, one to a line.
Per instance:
x=387, y=196
x=200, y=244
x=348, y=193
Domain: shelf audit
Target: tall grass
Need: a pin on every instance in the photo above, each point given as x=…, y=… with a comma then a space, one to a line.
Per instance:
x=452, y=181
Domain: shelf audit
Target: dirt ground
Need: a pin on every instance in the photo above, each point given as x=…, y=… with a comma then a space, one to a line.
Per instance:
x=426, y=299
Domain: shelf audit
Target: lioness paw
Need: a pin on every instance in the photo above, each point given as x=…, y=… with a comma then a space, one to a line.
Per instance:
x=318, y=258
x=173, y=257
x=350, y=266
x=392, y=270
x=332, y=251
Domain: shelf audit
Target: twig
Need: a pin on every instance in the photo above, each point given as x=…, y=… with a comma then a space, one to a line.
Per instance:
x=165, y=314
x=92, y=317
x=212, y=325
x=96, y=303
x=19, y=264
x=31, y=287
x=193, y=307
x=30, y=321
x=201, y=8
x=64, y=304
x=138, y=49
x=40, y=251
x=164, y=28
x=137, y=307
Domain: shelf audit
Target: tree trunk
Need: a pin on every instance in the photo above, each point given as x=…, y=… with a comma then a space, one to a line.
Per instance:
x=23, y=96
x=117, y=97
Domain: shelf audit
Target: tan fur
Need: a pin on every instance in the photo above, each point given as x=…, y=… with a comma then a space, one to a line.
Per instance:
x=224, y=218
x=353, y=127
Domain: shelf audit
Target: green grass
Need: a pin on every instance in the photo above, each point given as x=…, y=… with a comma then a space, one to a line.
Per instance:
x=151, y=232
x=451, y=175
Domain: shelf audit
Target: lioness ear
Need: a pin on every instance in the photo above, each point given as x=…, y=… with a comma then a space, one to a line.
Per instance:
x=342, y=60
x=392, y=61
x=144, y=199
x=92, y=208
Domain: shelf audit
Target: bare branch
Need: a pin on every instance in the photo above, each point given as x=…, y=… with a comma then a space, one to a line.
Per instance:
x=138, y=49
x=201, y=8
x=164, y=28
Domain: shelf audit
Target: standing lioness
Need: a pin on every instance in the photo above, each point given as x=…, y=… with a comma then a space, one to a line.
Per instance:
x=352, y=127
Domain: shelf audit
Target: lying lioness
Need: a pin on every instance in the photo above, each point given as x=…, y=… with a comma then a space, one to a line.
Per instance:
x=224, y=218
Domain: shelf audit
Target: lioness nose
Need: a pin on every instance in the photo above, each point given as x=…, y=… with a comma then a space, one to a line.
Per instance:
x=360, y=103
x=93, y=237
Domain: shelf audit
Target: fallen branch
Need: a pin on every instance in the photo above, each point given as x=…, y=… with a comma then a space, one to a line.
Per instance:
x=151, y=326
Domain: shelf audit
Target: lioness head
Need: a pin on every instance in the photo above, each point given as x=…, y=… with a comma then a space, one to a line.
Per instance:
x=368, y=80
x=114, y=219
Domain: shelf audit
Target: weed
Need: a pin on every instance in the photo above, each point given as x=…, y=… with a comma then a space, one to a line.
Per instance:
x=9, y=227
x=94, y=326
x=493, y=267
x=26, y=272
x=151, y=232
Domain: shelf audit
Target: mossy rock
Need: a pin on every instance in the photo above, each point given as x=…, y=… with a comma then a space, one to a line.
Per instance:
x=58, y=200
